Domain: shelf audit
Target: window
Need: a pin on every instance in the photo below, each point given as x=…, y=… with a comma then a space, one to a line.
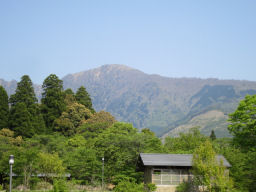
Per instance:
x=172, y=176
x=156, y=177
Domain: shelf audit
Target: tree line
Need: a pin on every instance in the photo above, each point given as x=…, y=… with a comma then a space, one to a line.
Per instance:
x=23, y=114
x=63, y=135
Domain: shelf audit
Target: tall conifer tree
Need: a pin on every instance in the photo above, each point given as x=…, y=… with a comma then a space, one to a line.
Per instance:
x=83, y=97
x=25, y=117
x=20, y=120
x=213, y=136
x=52, y=100
x=24, y=92
x=4, y=108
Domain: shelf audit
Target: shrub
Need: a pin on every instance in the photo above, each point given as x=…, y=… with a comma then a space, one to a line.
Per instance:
x=60, y=186
x=126, y=186
x=150, y=187
x=187, y=187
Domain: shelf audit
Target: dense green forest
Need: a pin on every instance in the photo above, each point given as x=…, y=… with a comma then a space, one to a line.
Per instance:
x=63, y=134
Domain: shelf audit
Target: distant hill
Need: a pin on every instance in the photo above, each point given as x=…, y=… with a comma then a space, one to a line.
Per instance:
x=165, y=105
x=9, y=86
x=160, y=103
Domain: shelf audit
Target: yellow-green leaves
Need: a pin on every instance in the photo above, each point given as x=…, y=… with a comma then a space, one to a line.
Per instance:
x=209, y=173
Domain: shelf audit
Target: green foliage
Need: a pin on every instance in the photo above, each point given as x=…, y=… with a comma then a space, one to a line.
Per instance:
x=150, y=143
x=7, y=138
x=74, y=115
x=208, y=172
x=69, y=92
x=83, y=97
x=102, y=117
x=119, y=144
x=25, y=117
x=186, y=187
x=4, y=108
x=186, y=142
x=26, y=162
x=150, y=187
x=20, y=120
x=243, y=123
x=48, y=143
x=83, y=164
x=24, y=92
x=92, y=136
x=243, y=127
x=9, y=145
x=96, y=124
x=237, y=159
x=77, y=141
x=127, y=186
x=50, y=165
x=52, y=100
x=60, y=186
x=37, y=119
x=250, y=169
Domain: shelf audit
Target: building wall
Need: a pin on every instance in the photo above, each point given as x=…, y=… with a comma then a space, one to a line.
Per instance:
x=168, y=178
x=148, y=175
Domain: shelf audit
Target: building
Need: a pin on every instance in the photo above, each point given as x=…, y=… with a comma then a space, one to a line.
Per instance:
x=167, y=171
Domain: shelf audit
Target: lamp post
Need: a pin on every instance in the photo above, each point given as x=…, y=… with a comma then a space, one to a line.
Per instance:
x=11, y=162
x=102, y=181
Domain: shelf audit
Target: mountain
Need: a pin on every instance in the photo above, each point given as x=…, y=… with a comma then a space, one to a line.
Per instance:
x=161, y=103
x=9, y=86
x=165, y=105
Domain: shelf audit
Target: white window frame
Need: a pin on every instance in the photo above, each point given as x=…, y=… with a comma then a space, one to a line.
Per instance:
x=166, y=170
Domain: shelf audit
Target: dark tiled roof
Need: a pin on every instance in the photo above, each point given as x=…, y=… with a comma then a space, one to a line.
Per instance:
x=182, y=160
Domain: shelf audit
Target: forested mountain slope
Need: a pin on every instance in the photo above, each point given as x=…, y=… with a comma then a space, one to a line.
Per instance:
x=159, y=103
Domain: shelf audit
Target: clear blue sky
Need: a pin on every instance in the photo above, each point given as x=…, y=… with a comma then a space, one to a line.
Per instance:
x=175, y=38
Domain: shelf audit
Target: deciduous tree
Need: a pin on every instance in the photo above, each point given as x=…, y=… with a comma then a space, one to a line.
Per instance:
x=208, y=171
x=243, y=123
x=50, y=165
x=186, y=142
x=74, y=115
x=243, y=127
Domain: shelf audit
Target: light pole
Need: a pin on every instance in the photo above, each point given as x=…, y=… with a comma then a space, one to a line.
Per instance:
x=11, y=162
x=102, y=181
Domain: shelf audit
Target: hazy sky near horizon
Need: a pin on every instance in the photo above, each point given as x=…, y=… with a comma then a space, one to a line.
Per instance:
x=174, y=38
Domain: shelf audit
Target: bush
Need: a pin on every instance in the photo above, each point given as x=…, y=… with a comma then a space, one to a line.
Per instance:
x=119, y=178
x=150, y=187
x=60, y=186
x=183, y=187
x=126, y=186
x=186, y=187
